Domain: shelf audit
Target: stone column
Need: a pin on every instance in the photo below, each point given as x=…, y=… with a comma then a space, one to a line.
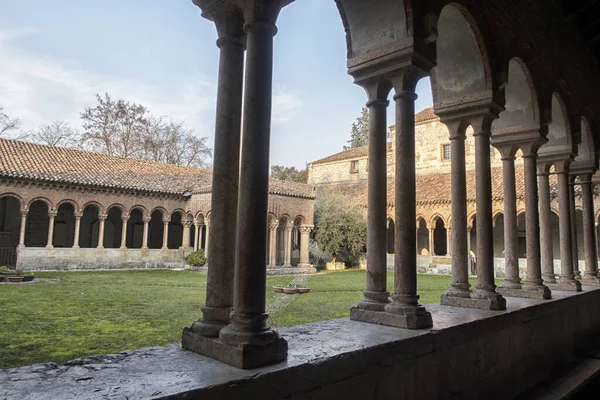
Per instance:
x=566, y=280
x=101, y=221
x=547, y=251
x=511, y=240
x=405, y=309
x=196, y=235
x=533, y=284
x=145, y=236
x=574, y=241
x=124, y=218
x=485, y=288
x=78, y=216
x=22, y=229
x=226, y=169
x=248, y=328
x=304, y=245
x=273, y=244
x=459, y=290
x=51, y=215
x=375, y=294
x=185, y=240
x=590, y=276
x=431, y=241
x=288, y=245
x=448, y=241
x=165, y=243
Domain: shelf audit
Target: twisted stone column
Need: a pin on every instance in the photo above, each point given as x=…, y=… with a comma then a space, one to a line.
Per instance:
x=574, y=241
x=304, y=245
x=590, y=276
x=547, y=251
x=485, y=288
x=566, y=280
x=124, y=220
x=101, y=221
x=165, y=243
x=145, y=236
x=511, y=240
x=51, y=215
x=22, y=229
x=376, y=295
x=410, y=314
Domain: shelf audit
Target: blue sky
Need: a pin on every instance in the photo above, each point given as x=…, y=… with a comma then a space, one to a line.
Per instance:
x=56, y=55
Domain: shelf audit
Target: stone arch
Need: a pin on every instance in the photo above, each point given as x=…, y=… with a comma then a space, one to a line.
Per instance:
x=433, y=218
x=390, y=235
x=586, y=149
x=43, y=199
x=113, y=226
x=10, y=228
x=156, y=228
x=36, y=226
x=175, y=238
x=463, y=70
x=560, y=141
x=64, y=224
x=471, y=217
x=16, y=196
x=69, y=201
x=89, y=226
x=199, y=219
x=96, y=204
x=135, y=227
x=440, y=237
x=140, y=208
x=498, y=234
x=423, y=246
x=162, y=210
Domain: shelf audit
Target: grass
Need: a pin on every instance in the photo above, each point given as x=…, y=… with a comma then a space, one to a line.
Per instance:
x=75, y=314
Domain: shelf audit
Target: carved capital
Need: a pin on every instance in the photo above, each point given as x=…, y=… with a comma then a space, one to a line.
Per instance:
x=52, y=213
x=102, y=217
x=306, y=229
x=146, y=219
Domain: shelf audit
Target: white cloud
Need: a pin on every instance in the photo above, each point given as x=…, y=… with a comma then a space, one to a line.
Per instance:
x=286, y=106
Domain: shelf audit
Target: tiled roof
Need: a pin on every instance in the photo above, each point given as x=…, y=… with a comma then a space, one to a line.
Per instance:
x=24, y=160
x=355, y=152
x=425, y=116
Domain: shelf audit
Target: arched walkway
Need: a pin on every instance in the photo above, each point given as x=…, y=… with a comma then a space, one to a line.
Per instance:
x=499, y=235
x=89, y=228
x=440, y=238
x=36, y=232
x=113, y=228
x=156, y=230
x=64, y=226
x=135, y=229
x=10, y=227
x=175, y=237
x=423, y=247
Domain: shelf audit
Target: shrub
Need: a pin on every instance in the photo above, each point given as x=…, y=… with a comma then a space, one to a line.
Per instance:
x=196, y=258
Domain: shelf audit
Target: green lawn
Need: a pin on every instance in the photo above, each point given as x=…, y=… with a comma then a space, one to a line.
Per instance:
x=75, y=314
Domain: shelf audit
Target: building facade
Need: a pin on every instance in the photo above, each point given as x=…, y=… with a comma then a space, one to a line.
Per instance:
x=71, y=209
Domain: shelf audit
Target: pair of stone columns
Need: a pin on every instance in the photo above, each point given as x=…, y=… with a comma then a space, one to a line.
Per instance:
x=403, y=311
x=480, y=117
x=238, y=256
x=52, y=215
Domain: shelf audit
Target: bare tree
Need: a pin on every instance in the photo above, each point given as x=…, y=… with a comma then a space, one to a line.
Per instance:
x=8, y=124
x=114, y=127
x=56, y=133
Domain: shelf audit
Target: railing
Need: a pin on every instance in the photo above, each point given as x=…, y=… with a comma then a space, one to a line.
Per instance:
x=8, y=256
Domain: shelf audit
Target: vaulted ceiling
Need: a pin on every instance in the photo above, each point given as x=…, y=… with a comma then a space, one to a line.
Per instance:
x=585, y=17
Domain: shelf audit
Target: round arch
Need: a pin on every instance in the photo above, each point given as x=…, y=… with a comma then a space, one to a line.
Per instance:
x=36, y=228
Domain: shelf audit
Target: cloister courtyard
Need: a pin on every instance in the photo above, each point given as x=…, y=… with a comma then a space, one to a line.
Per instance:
x=94, y=313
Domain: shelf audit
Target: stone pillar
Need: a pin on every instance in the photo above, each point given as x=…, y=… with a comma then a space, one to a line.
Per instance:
x=485, y=289
x=375, y=294
x=22, y=229
x=101, y=221
x=511, y=244
x=533, y=285
x=185, y=240
x=196, y=235
x=574, y=241
x=566, y=280
x=124, y=218
x=405, y=310
x=590, y=276
x=256, y=342
x=51, y=215
x=547, y=251
x=165, y=243
x=448, y=241
x=78, y=216
x=459, y=291
x=304, y=245
x=431, y=241
x=273, y=244
x=287, y=262
x=145, y=236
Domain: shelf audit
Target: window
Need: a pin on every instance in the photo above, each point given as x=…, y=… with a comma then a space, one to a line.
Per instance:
x=354, y=167
x=446, y=152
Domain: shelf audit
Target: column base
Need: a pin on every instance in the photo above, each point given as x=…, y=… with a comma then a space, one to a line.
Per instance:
x=374, y=301
x=496, y=302
x=591, y=280
x=568, y=285
x=536, y=292
x=549, y=279
x=411, y=319
x=244, y=356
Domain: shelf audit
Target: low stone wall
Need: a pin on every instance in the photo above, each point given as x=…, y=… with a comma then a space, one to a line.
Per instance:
x=68, y=259
x=467, y=354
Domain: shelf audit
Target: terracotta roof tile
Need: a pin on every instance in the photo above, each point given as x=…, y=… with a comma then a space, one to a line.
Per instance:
x=355, y=152
x=24, y=160
x=425, y=116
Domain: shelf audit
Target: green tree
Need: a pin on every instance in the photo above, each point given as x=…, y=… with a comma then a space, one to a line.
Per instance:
x=359, y=133
x=289, y=174
x=340, y=226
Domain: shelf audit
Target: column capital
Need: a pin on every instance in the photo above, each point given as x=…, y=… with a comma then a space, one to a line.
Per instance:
x=562, y=166
x=405, y=95
x=274, y=225
x=306, y=228
x=24, y=212
x=166, y=220
x=186, y=224
x=289, y=226
x=102, y=217
x=52, y=213
x=207, y=224
x=146, y=219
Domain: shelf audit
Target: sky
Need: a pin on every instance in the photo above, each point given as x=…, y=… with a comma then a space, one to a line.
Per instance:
x=55, y=56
